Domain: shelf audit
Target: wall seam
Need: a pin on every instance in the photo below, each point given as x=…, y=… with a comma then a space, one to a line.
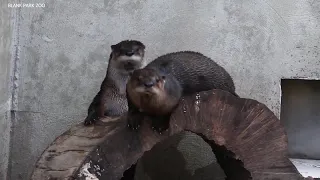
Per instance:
x=14, y=77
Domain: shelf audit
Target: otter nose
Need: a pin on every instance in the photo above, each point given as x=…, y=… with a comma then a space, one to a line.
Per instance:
x=129, y=53
x=148, y=84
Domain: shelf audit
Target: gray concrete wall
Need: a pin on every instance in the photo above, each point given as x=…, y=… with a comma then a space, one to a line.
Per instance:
x=5, y=95
x=63, y=51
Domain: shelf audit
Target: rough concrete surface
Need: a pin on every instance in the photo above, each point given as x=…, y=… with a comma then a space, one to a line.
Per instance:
x=64, y=47
x=308, y=167
x=5, y=64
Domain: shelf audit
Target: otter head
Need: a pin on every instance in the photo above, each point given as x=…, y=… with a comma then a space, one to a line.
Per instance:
x=147, y=81
x=128, y=55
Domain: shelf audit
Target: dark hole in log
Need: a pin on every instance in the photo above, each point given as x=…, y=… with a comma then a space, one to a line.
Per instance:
x=232, y=167
x=129, y=173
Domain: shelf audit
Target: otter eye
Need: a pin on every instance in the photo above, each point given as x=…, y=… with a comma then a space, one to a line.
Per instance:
x=163, y=77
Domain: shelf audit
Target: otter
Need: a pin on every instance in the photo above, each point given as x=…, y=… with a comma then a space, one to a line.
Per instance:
x=125, y=57
x=155, y=90
x=151, y=93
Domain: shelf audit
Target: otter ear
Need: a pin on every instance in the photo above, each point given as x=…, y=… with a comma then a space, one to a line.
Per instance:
x=113, y=47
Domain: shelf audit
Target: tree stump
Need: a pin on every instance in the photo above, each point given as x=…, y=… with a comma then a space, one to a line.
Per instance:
x=240, y=131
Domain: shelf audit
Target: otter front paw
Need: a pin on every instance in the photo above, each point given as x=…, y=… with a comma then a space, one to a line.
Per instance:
x=89, y=121
x=159, y=124
x=134, y=122
x=158, y=129
x=92, y=120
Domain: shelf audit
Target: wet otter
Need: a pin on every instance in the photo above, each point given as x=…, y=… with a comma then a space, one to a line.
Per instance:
x=156, y=89
x=151, y=93
x=126, y=56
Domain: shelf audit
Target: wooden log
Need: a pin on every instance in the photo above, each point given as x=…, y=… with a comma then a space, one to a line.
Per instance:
x=246, y=129
x=65, y=155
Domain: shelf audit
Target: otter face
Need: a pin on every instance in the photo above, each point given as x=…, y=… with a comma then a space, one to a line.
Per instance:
x=128, y=55
x=147, y=81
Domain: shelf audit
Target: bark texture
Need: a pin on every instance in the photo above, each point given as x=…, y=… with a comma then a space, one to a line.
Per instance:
x=246, y=137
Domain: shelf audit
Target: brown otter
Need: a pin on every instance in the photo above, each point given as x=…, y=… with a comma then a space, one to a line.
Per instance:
x=156, y=89
x=151, y=93
x=125, y=57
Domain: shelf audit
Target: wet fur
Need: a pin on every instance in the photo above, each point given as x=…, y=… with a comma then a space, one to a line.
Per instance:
x=111, y=99
x=186, y=72
x=155, y=102
x=194, y=71
x=158, y=100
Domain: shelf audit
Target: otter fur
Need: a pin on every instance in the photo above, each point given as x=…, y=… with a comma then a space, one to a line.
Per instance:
x=126, y=56
x=156, y=89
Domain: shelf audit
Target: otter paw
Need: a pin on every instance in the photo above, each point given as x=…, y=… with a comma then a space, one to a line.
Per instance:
x=159, y=130
x=159, y=123
x=92, y=120
x=133, y=123
x=89, y=121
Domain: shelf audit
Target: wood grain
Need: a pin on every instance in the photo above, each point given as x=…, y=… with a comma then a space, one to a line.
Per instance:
x=245, y=127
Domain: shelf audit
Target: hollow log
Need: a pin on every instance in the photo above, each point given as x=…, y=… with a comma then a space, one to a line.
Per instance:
x=244, y=129
x=184, y=155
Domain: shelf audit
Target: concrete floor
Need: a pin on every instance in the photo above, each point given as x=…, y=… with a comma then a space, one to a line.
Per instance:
x=307, y=167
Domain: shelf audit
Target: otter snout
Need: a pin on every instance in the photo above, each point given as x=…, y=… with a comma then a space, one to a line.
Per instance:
x=129, y=53
x=147, y=81
x=149, y=84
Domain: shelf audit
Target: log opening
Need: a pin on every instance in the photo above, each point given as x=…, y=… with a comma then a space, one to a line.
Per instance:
x=232, y=167
x=129, y=173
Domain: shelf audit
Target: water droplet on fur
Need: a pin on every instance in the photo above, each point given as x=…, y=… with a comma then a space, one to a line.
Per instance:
x=184, y=107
